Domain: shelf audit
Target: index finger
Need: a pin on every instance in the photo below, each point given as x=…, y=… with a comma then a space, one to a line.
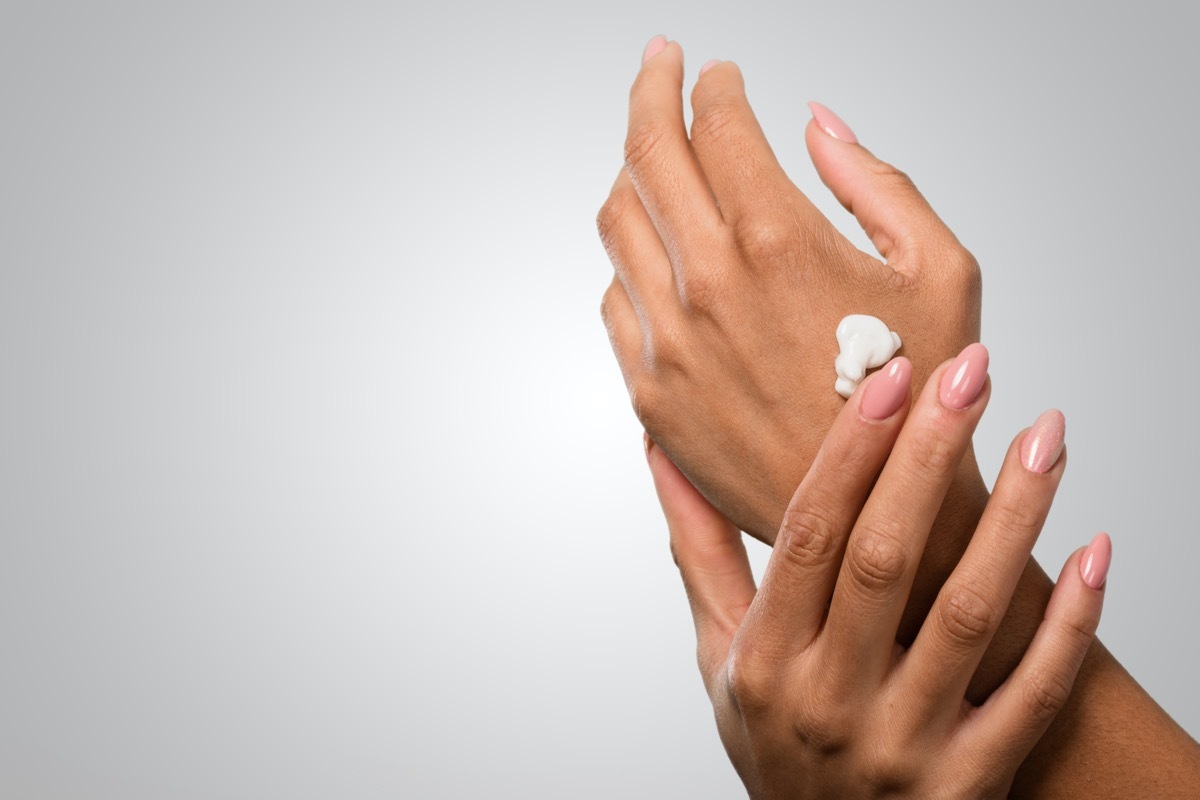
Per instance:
x=799, y=579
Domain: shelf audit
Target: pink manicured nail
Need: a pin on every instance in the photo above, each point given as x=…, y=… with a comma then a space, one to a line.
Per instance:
x=1043, y=444
x=709, y=65
x=1093, y=565
x=832, y=124
x=887, y=391
x=654, y=47
x=964, y=379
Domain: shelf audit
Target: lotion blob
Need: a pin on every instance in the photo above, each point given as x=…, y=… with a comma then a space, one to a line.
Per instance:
x=866, y=343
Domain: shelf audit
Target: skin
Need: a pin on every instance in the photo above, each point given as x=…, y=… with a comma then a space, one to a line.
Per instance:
x=728, y=284
x=813, y=699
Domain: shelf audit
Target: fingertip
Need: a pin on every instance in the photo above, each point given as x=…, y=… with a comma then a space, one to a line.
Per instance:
x=717, y=77
x=963, y=383
x=653, y=47
x=1043, y=443
x=831, y=124
x=959, y=385
x=1095, y=561
x=886, y=391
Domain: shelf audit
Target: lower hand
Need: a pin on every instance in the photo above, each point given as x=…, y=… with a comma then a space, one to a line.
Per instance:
x=813, y=696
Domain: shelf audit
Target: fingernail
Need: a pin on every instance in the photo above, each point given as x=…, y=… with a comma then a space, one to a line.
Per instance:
x=1093, y=566
x=964, y=379
x=832, y=124
x=1043, y=444
x=887, y=391
x=654, y=47
x=709, y=65
x=647, y=443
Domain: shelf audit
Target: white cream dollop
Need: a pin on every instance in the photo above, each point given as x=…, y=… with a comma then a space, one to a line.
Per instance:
x=866, y=343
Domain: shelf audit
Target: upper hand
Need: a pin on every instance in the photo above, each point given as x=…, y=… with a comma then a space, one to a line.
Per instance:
x=730, y=284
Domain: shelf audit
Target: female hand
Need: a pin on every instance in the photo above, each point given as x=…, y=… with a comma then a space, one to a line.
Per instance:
x=730, y=284
x=813, y=697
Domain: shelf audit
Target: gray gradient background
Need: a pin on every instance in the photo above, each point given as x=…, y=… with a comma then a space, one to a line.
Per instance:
x=319, y=478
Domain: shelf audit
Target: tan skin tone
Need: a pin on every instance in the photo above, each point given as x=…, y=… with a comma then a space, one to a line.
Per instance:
x=812, y=697
x=728, y=285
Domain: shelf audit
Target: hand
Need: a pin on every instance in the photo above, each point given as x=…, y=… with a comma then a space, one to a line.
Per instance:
x=730, y=284
x=813, y=697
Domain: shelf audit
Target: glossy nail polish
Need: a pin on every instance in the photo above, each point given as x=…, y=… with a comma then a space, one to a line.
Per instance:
x=654, y=47
x=1043, y=443
x=832, y=124
x=1093, y=564
x=887, y=390
x=709, y=65
x=963, y=380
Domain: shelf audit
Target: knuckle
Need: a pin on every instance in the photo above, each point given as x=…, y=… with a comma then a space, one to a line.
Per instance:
x=937, y=452
x=1079, y=631
x=674, y=548
x=850, y=456
x=748, y=678
x=824, y=723
x=611, y=218
x=952, y=265
x=645, y=396
x=807, y=537
x=607, y=220
x=608, y=305
x=965, y=617
x=768, y=241
x=877, y=558
x=1016, y=516
x=964, y=271
x=889, y=768
x=1045, y=694
x=966, y=263
x=889, y=173
x=713, y=119
x=665, y=346
x=701, y=292
x=643, y=141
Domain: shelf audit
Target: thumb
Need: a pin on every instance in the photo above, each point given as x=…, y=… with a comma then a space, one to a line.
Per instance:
x=883, y=199
x=711, y=557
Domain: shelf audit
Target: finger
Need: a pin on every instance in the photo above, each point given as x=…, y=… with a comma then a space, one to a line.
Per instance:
x=889, y=538
x=633, y=247
x=739, y=164
x=1014, y=718
x=660, y=160
x=712, y=561
x=974, y=600
x=891, y=210
x=621, y=322
x=799, y=578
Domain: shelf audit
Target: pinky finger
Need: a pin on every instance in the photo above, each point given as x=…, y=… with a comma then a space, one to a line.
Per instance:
x=1014, y=718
